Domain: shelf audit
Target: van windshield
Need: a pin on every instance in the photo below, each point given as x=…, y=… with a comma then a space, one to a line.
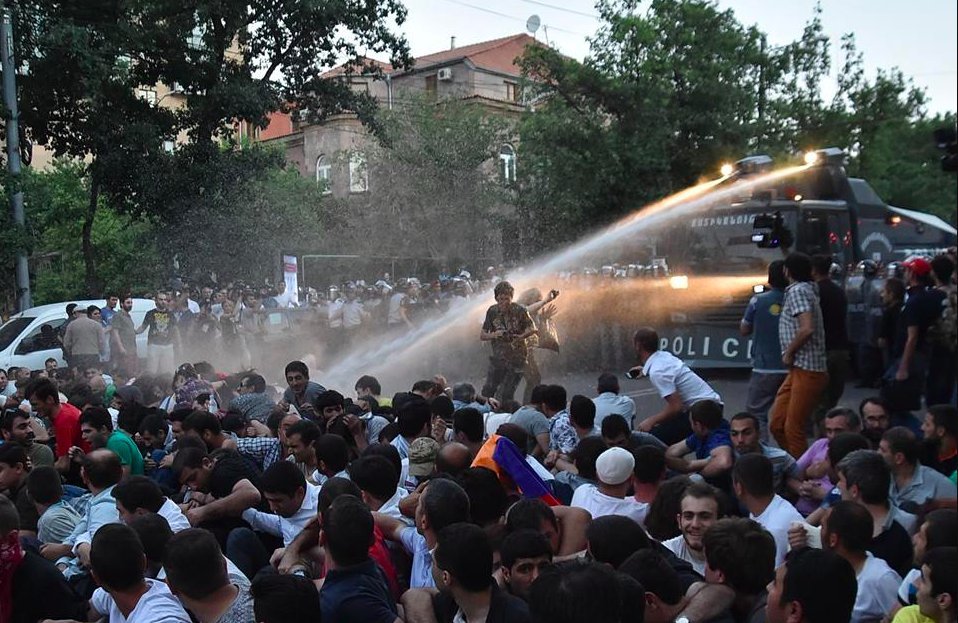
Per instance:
x=12, y=329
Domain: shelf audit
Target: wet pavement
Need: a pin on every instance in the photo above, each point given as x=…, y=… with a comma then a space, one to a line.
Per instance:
x=732, y=385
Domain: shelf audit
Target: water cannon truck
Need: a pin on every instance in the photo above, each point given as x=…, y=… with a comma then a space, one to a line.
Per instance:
x=817, y=210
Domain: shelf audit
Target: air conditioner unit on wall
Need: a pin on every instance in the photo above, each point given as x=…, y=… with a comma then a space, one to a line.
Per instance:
x=444, y=74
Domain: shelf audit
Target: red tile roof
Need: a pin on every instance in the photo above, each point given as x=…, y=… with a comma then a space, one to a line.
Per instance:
x=279, y=124
x=358, y=69
x=496, y=55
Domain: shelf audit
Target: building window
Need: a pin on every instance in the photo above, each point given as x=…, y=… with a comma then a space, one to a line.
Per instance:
x=358, y=175
x=148, y=95
x=512, y=92
x=359, y=85
x=507, y=164
x=324, y=174
x=195, y=39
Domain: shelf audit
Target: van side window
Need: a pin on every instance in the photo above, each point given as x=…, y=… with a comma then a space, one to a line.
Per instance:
x=42, y=339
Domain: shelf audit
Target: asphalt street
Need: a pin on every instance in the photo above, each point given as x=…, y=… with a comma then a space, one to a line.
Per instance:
x=732, y=385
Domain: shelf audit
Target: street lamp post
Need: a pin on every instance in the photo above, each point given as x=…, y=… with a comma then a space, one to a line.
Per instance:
x=24, y=299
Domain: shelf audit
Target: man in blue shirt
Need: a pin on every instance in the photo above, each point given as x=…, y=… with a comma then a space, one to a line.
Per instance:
x=355, y=589
x=761, y=322
x=441, y=503
x=709, y=441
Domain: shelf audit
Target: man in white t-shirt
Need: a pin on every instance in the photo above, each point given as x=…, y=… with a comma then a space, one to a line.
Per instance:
x=610, y=497
x=675, y=383
x=847, y=531
x=138, y=495
x=699, y=509
x=754, y=487
x=283, y=297
x=610, y=402
x=125, y=596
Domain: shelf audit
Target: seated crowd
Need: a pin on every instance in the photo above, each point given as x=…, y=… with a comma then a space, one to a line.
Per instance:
x=438, y=504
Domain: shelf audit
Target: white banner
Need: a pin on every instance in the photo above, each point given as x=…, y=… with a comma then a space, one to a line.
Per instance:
x=291, y=277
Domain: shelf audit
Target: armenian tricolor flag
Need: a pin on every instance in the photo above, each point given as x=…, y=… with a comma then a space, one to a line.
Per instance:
x=503, y=457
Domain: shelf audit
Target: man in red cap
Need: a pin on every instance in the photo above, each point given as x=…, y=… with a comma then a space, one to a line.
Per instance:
x=911, y=349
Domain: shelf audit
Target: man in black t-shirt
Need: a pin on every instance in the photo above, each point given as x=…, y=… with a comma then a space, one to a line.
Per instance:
x=163, y=337
x=834, y=306
x=221, y=487
x=940, y=428
x=13, y=480
x=37, y=589
x=865, y=478
x=911, y=350
x=462, y=564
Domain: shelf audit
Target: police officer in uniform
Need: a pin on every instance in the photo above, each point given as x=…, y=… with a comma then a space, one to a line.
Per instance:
x=870, y=355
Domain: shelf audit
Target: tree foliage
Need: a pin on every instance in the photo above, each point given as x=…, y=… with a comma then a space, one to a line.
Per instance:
x=251, y=209
x=124, y=248
x=234, y=214
x=435, y=192
x=235, y=61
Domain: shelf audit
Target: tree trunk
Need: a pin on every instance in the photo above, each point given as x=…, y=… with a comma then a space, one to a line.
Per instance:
x=89, y=261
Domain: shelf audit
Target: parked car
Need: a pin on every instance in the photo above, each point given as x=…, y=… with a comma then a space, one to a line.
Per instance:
x=22, y=344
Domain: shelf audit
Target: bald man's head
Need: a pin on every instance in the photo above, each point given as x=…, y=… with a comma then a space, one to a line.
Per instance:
x=453, y=458
x=102, y=469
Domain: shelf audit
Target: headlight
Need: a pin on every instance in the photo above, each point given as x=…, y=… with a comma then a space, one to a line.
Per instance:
x=727, y=170
x=679, y=282
x=811, y=157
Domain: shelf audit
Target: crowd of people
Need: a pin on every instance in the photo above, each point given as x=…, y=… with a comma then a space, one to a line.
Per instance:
x=222, y=497
x=232, y=323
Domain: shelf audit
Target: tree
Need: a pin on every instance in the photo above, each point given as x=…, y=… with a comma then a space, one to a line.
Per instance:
x=903, y=167
x=663, y=97
x=434, y=185
x=123, y=247
x=233, y=214
x=238, y=61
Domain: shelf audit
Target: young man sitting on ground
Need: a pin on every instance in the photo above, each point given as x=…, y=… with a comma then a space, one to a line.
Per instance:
x=709, y=441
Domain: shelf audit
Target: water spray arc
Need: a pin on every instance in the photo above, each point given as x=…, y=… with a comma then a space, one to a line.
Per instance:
x=407, y=354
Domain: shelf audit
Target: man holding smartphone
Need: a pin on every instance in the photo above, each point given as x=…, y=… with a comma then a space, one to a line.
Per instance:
x=507, y=326
x=675, y=383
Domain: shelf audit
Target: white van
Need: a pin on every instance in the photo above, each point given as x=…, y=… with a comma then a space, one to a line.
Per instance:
x=19, y=336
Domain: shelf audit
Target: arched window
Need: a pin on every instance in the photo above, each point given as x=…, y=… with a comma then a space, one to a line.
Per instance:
x=324, y=173
x=358, y=174
x=507, y=164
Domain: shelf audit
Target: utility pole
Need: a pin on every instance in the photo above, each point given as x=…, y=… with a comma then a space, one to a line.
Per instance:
x=13, y=152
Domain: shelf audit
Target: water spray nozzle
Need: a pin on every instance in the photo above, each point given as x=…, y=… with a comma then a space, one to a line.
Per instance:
x=754, y=165
x=830, y=156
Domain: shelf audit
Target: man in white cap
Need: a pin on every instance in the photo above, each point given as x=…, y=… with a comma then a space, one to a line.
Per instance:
x=610, y=496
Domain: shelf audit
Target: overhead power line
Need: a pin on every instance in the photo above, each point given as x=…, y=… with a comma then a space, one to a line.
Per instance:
x=512, y=17
x=562, y=8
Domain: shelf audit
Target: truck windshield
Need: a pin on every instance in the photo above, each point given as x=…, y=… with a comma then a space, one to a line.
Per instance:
x=12, y=329
x=720, y=243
